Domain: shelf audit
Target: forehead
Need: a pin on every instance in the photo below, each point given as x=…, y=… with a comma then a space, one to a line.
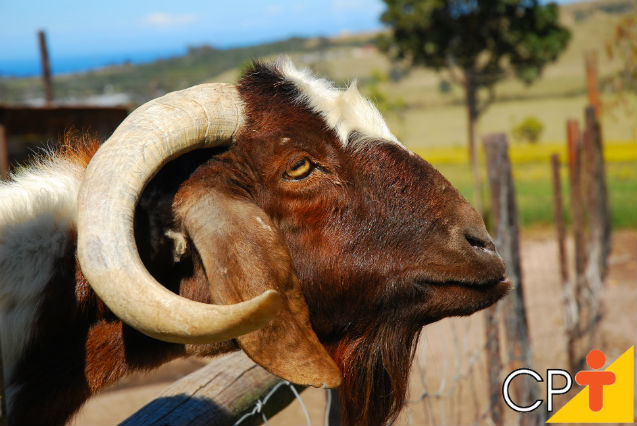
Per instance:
x=352, y=117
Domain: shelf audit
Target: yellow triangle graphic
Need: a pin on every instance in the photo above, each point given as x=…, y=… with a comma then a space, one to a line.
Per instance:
x=618, y=398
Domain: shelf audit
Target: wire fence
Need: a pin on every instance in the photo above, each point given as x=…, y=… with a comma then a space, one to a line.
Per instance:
x=258, y=406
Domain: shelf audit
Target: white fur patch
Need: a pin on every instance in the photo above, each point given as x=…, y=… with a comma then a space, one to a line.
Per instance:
x=37, y=211
x=344, y=110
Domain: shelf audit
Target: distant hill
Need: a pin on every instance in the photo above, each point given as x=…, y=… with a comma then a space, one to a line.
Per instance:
x=145, y=81
x=582, y=10
x=204, y=63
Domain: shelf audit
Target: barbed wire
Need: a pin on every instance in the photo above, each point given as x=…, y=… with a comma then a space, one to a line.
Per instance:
x=260, y=404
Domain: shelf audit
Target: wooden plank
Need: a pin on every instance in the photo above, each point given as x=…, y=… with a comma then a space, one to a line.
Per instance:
x=505, y=219
x=55, y=121
x=221, y=393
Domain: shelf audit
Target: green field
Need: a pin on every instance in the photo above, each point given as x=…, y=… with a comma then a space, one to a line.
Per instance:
x=446, y=125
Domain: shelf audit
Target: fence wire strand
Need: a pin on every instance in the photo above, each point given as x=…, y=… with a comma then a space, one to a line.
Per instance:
x=260, y=404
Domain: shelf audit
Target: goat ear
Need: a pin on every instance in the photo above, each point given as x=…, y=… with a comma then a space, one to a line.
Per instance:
x=244, y=254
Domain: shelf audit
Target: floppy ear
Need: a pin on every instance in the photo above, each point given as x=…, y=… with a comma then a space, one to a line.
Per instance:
x=244, y=254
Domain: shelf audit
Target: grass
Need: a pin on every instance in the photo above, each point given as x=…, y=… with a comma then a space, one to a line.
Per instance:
x=533, y=185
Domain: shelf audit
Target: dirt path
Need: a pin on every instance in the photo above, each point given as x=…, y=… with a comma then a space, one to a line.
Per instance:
x=450, y=362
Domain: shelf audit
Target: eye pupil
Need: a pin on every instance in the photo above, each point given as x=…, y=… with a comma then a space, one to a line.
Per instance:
x=299, y=164
x=299, y=168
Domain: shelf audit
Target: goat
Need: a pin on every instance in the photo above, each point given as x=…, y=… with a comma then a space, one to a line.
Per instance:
x=302, y=232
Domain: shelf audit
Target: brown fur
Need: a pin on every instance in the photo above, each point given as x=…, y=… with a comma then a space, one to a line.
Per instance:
x=78, y=147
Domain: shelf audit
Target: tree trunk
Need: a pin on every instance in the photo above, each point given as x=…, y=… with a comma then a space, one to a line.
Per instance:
x=472, y=118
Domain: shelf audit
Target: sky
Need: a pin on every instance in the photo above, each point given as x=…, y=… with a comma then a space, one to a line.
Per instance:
x=91, y=33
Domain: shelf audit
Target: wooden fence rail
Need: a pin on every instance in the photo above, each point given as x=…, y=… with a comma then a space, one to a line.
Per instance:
x=230, y=390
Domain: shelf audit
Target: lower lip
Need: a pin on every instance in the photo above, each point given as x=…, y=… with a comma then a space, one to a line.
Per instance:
x=502, y=284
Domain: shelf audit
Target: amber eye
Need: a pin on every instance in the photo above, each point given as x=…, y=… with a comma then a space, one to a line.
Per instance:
x=299, y=168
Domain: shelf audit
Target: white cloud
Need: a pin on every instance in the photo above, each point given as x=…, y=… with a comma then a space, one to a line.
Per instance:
x=161, y=19
x=274, y=9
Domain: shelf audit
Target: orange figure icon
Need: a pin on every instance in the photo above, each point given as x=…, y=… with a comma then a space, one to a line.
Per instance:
x=596, y=380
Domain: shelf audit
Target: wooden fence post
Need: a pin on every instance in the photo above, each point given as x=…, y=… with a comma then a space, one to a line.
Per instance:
x=505, y=219
x=228, y=391
x=590, y=59
x=559, y=217
x=599, y=226
x=333, y=408
x=46, y=68
x=596, y=195
x=574, y=145
x=494, y=364
x=574, y=141
x=568, y=298
x=3, y=400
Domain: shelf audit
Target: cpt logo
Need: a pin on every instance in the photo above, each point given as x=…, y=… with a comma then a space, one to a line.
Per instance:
x=606, y=398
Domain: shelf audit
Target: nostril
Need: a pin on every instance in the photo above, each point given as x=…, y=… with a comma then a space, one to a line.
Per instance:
x=475, y=242
x=479, y=242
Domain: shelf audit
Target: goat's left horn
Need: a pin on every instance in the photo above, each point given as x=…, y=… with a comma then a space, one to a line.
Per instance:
x=155, y=133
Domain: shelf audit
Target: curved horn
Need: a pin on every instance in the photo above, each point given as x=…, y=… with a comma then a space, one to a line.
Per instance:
x=151, y=136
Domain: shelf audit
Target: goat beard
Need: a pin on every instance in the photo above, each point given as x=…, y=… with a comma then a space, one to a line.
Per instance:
x=375, y=365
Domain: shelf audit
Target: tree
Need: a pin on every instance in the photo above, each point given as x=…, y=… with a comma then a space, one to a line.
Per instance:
x=478, y=43
x=530, y=129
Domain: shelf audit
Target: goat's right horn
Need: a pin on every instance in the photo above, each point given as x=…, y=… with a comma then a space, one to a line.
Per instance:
x=155, y=133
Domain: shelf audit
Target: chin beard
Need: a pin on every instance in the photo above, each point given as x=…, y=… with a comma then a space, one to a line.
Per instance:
x=375, y=364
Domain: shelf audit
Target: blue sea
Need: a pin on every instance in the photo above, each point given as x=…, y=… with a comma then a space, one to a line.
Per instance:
x=29, y=67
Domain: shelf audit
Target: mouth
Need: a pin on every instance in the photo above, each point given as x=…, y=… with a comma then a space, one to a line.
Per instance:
x=490, y=285
x=457, y=298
